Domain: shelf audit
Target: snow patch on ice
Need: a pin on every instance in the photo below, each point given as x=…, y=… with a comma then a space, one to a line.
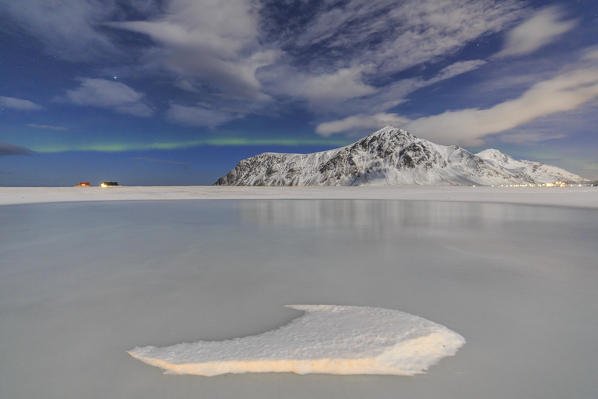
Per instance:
x=325, y=339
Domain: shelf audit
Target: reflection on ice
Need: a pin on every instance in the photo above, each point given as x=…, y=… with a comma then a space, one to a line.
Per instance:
x=326, y=339
x=379, y=215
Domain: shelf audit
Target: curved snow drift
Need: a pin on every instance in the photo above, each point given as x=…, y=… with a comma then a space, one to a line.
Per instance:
x=325, y=339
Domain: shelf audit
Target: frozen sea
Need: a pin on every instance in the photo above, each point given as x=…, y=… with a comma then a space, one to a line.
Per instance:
x=82, y=283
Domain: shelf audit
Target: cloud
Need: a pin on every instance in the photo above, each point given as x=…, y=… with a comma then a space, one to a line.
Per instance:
x=69, y=29
x=49, y=127
x=342, y=52
x=108, y=94
x=591, y=54
x=18, y=104
x=563, y=92
x=320, y=90
x=395, y=36
x=10, y=149
x=344, y=92
x=340, y=58
x=527, y=137
x=208, y=40
x=199, y=115
x=345, y=58
x=566, y=91
x=539, y=30
x=355, y=122
x=458, y=68
x=386, y=98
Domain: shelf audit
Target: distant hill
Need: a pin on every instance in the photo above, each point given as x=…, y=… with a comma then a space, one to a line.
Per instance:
x=392, y=156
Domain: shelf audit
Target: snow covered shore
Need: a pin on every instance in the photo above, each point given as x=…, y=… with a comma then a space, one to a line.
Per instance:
x=584, y=197
x=325, y=339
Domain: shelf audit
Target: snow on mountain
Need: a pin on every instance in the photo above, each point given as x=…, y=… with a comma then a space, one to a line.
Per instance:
x=325, y=339
x=391, y=156
x=529, y=170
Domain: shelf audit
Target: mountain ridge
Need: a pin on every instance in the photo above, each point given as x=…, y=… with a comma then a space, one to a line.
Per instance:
x=391, y=156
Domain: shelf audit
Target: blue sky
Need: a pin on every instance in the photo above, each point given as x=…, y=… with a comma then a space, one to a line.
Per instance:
x=178, y=91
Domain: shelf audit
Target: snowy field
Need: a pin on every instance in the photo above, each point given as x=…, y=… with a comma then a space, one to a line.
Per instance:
x=570, y=196
x=82, y=283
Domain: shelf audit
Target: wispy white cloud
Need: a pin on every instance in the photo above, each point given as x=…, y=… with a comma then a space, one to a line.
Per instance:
x=107, y=94
x=563, y=92
x=322, y=91
x=198, y=44
x=69, y=29
x=199, y=115
x=386, y=98
x=398, y=35
x=208, y=40
x=566, y=91
x=542, y=28
x=531, y=136
x=48, y=127
x=363, y=122
x=18, y=104
x=458, y=68
x=342, y=60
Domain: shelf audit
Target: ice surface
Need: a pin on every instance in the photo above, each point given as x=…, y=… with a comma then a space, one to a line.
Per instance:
x=571, y=196
x=325, y=339
x=82, y=283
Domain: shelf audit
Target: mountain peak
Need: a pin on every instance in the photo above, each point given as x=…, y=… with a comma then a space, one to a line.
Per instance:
x=390, y=130
x=391, y=156
x=491, y=152
x=496, y=157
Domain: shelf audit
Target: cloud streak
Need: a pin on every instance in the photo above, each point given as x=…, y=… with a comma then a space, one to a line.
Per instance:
x=47, y=127
x=394, y=36
x=69, y=29
x=539, y=30
x=360, y=122
x=566, y=91
x=386, y=98
x=102, y=93
x=328, y=61
x=18, y=104
x=210, y=41
x=199, y=115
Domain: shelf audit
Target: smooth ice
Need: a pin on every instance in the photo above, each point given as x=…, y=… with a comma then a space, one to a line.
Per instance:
x=83, y=283
x=326, y=339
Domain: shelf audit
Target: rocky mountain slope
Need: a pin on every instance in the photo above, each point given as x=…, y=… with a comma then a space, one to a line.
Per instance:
x=391, y=156
x=529, y=170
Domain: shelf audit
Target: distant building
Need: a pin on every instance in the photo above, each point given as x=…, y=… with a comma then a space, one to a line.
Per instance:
x=83, y=184
x=109, y=184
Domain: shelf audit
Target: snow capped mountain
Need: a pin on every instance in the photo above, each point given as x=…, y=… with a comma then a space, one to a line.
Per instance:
x=391, y=156
x=529, y=170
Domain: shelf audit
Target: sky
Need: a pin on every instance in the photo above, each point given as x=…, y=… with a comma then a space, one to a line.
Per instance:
x=176, y=92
